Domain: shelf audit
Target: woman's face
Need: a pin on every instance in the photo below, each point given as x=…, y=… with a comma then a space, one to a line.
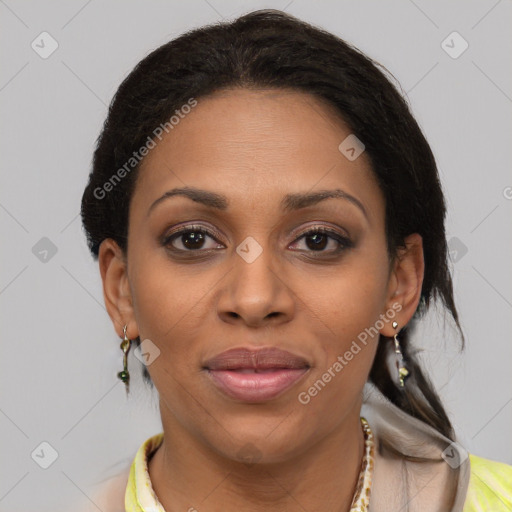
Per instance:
x=253, y=280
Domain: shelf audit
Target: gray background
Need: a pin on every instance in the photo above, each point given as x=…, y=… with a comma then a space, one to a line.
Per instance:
x=60, y=353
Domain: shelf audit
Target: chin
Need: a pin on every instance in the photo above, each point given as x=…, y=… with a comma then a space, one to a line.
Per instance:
x=264, y=440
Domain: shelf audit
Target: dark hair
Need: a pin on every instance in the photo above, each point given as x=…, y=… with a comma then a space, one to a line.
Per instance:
x=271, y=49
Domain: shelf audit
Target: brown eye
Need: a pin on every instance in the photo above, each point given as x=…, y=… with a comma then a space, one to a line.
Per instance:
x=192, y=238
x=318, y=239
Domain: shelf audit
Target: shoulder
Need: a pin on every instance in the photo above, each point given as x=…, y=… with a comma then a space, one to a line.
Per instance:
x=490, y=486
x=126, y=489
x=108, y=495
x=111, y=494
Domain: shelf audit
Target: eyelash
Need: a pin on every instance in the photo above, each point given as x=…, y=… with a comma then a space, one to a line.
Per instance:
x=343, y=242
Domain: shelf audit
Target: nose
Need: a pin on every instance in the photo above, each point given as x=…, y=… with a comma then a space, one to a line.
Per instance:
x=256, y=294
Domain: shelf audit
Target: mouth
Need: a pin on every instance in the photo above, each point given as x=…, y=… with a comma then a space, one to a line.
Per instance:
x=255, y=376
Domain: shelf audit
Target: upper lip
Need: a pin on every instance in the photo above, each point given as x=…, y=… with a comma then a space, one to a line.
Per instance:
x=260, y=359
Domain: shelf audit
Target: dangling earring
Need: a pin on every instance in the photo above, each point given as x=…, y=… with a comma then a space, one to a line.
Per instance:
x=403, y=372
x=124, y=375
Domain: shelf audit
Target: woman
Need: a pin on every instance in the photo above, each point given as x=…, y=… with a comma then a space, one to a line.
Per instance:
x=269, y=225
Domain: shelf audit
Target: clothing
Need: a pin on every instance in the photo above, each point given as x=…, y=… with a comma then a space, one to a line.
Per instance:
x=410, y=473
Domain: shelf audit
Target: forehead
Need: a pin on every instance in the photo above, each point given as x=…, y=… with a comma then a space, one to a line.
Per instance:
x=255, y=144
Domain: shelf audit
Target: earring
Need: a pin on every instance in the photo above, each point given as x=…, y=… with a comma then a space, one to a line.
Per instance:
x=403, y=372
x=124, y=375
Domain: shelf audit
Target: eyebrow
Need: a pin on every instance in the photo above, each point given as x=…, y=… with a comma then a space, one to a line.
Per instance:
x=290, y=202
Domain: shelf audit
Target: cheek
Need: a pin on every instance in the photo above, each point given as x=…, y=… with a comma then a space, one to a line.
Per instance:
x=347, y=351
x=167, y=305
x=351, y=299
x=167, y=314
x=346, y=308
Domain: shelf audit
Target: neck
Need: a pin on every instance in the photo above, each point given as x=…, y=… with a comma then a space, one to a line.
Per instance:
x=188, y=475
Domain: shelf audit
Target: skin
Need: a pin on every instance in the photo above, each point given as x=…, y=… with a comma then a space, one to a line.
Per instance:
x=255, y=146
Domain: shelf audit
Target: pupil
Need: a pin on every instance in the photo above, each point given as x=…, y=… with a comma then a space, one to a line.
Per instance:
x=319, y=241
x=193, y=240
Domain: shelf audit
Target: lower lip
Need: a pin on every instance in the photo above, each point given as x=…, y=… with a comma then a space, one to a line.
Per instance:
x=256, y=387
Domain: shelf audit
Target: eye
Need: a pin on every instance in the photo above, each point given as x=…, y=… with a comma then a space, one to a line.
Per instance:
x=319, y=239
x=195, y=238
x=191, y=238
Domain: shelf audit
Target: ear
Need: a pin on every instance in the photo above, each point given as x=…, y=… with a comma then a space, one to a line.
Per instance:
x=116, y=288
x=405, y=282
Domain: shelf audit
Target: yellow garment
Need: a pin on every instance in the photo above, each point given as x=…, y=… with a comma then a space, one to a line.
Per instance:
x=490, y=484
x=140, y=496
